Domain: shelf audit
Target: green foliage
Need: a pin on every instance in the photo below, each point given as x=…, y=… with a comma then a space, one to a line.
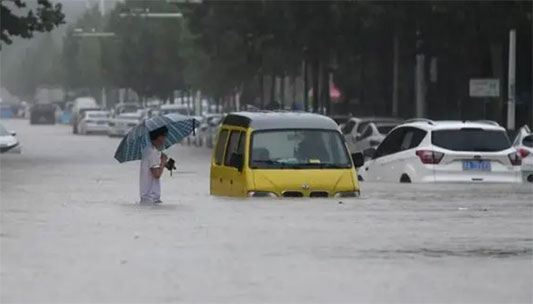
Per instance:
x=19, y=21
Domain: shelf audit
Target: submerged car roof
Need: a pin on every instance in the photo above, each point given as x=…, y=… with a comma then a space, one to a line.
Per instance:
x=280, y=120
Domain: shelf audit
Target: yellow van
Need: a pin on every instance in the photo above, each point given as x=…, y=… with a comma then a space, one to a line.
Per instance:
x=282, y=154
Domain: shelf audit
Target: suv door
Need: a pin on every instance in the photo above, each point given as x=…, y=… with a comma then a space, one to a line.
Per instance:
x=405, y=157
x=383, y=166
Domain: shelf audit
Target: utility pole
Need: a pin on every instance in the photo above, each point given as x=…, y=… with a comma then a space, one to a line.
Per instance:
x=511, y=83
x=104, y=93
x=395, y=76
x=420, y=94
x=306, y=86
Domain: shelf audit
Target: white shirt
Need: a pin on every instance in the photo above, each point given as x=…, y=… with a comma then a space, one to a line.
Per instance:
x=150, y=189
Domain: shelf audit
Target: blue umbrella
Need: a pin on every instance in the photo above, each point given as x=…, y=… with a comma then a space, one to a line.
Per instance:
x=132, y=145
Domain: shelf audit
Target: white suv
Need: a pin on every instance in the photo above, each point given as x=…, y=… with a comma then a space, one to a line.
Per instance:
x=524, y=145
x=422, y=150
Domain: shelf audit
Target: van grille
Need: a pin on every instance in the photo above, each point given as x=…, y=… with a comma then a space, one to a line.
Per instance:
x=319, y=194
x=292, y=194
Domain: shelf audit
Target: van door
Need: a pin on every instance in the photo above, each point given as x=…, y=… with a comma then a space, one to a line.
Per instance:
x=234, y=162
x=217, y=185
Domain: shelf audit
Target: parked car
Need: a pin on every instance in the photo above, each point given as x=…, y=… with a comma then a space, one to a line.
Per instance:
x=128, y=107
x=207, y=130
x=122, y=124
x=93, y=122
x=8, y=141
x=524, y=145
x=372, y=135
x=282, y=155
x=354, y=127
x=175, y=108
x=43, y=114
x=81, y=104
x=193, y=138
x=444, y=151
x=341, y=120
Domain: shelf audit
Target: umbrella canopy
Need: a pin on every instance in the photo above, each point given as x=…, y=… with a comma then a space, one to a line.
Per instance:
x=132, y=145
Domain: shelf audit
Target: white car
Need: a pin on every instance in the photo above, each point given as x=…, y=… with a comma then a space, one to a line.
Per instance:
x=207, y=130
x=93, y=122
x=524, y=145
x=8, y=141
x=122, y=124
x=175, y=108
x=354, y=127
x=422, y=151
x=372, y=135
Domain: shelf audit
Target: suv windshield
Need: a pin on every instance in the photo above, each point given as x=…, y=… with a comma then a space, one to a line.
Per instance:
x=475, y=140
x=298, y=149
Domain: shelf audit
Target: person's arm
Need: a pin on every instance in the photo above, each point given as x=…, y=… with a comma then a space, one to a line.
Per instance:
x=157, y=170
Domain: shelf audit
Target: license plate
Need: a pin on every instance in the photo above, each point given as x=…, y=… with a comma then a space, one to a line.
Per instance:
x=101, y=122
x=476, y=165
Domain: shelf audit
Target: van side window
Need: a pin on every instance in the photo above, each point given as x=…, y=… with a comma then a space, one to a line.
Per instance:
x=242, y=143
x=221, y=144
x=233, y=144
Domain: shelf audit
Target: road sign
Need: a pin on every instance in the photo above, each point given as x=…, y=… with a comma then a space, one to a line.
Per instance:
x=484, y=87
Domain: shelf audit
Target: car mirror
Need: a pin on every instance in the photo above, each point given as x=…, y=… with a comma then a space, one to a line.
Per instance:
x=236, y=160
x=13, y=133
x=370, y=153
x=358, y=159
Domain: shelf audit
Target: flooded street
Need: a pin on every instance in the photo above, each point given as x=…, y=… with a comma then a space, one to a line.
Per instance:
x=71, y=231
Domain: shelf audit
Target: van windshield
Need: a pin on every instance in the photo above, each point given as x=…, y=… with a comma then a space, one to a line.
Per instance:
x=298, y=149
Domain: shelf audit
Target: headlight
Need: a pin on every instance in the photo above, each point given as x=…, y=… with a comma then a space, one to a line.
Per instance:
x=261, y=194
x=347, y=194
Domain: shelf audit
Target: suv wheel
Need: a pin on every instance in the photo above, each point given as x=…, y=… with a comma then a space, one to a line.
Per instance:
x=405, y=179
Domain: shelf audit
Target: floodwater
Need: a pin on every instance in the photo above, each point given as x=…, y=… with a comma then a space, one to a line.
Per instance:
x=71, y=231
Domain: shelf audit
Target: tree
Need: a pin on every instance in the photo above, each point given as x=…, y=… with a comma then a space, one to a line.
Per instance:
x=146, y=53
x=17, y=21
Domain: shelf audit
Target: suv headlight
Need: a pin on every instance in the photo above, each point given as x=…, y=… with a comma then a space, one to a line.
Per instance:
x=261, y=194
x=355, y=193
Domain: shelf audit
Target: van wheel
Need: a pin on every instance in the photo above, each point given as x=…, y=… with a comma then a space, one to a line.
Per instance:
x=530, y=178
x=405, y=179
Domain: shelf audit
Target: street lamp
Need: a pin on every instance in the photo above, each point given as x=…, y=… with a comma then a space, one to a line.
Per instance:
x=152, y=15
x=79, y=32
x=145, y=13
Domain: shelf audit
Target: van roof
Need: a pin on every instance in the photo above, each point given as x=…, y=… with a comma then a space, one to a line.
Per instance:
x=267, y=120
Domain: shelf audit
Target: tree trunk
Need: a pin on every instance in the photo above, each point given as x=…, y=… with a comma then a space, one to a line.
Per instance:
x=325, y=88
x=306, y=87
x=272, y=89
x=262, y=89
x=316, y=74
x=282, y=92
x=293, y=83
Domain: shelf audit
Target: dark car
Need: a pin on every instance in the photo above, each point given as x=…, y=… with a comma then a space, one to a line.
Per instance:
x=43, y=114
